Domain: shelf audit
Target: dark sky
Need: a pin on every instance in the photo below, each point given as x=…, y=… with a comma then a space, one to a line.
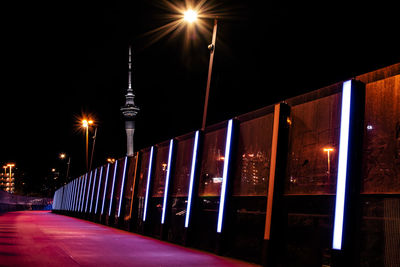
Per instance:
x=61, y=60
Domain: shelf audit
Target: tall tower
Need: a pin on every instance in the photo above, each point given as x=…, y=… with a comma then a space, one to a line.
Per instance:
x=130, y=110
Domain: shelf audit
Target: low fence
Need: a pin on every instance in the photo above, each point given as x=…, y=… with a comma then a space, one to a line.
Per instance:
x=312, y=181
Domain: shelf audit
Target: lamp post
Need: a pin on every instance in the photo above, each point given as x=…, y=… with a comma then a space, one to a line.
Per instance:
x=63, y=156
x=191, y=16
x=86, y=124
x=94, y=142
x=328, y=150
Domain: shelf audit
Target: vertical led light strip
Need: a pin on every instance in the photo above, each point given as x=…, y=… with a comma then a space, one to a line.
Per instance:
x=112, y=188
x=192, y=169
x=88, y=190
x=171, y=144
x=67, y=195
x=77, y=193
x=146, y=198
x=224, y=176
x=342, y=167
x=94, y=186
x=73, y=195
x=98, y=190
x=122, y=186
x=105, y=188
x=83, y=192
x=78, y=199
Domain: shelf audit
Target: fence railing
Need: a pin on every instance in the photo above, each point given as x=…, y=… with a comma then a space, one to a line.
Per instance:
x=285, y=183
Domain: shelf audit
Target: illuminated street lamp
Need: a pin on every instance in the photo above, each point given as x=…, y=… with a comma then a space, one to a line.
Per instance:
x=328, y=150
x=86, y=124
x=190, y=16
x=110, y=160
x=63, y=156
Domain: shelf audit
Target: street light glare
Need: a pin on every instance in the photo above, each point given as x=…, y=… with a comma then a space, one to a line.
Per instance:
x=190, y=15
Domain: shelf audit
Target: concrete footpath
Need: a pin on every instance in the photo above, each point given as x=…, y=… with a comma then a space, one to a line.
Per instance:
x=41, y=238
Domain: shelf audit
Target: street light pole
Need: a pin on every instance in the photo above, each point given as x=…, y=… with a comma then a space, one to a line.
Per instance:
x=86, y=124
x=68, y=164
x=87, y=147
x=94, y=142
x=211, y=47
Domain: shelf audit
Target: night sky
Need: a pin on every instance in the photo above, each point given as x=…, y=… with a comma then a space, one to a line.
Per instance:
x=62, y=60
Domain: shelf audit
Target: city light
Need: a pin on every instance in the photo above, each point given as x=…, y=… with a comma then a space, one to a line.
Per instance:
x=192, y=172
x=224, y=176
x=111, y=160
x=148, y=185
x=171, y=145
x=342, y=166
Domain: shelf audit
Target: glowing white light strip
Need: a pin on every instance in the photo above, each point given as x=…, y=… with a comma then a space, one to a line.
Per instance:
x=122, y=186
x=73, y=195
x=342, y=167
x=148, y=185
x=112, y=188
x=67, y=196
x=88, y=191
x=171, y=143
x=78, y=200
x=84, y=192
x=98, y=190
x=224, y=177
x=77, y=193
x=54, y=206
x=94, y=185
x=105, y=188
x=189, y=201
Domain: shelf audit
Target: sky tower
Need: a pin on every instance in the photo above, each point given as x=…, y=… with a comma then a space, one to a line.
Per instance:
x=130, y=110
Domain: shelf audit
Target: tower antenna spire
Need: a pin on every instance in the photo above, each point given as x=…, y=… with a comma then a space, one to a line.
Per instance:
x=130, y=110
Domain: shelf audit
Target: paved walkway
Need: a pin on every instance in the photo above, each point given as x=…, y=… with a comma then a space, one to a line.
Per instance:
x=41, y=238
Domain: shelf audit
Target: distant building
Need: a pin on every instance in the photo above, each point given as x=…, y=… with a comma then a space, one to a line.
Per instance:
x=6, y=183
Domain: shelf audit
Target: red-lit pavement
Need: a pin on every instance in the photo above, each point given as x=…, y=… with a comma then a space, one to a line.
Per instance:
x=41, y=238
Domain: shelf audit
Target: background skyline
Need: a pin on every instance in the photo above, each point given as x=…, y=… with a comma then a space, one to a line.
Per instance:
x=64, y=60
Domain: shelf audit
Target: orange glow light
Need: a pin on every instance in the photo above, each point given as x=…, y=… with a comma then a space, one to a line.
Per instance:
x=328, y=149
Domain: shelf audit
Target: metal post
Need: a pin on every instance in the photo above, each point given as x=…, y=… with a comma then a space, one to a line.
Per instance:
x=211, y=47
x=87, y=148
x=94, y=142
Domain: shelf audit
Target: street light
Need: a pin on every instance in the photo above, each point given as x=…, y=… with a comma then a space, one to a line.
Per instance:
x=190, y=16
x=328, y=150
x=85, y=124
x=64, y=156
